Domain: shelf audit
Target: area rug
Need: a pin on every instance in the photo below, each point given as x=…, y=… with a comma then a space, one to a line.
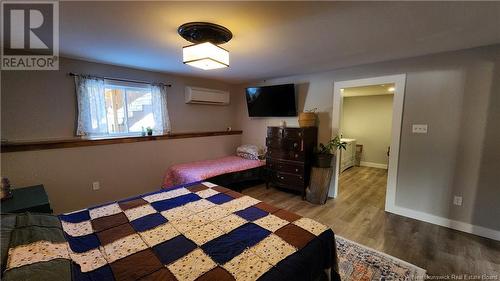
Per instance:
x=358, y=262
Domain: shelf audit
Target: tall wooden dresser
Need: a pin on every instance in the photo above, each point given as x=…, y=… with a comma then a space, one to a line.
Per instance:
x=289, y=156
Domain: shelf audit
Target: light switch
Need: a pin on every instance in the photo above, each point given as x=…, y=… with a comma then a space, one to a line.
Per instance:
x=419, y=128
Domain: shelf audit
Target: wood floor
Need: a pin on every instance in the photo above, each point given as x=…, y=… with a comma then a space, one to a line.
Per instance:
x=358, y=214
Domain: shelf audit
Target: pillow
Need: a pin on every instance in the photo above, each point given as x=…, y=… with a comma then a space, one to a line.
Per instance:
x=248, y=151
x=247, y=156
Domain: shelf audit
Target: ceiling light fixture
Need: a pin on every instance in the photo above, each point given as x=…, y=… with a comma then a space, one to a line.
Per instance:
x=205, y=53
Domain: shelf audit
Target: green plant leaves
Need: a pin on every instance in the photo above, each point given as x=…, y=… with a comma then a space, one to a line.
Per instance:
x=331, y=146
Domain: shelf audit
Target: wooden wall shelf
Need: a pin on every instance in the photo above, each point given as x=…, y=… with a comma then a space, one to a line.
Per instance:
x=78, y=142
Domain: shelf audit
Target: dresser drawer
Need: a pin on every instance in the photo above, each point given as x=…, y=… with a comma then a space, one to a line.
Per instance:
x=296, y=168
x=286, y=144
x=290, y=181
x=287, y=155
x=293, y=133
x=287, y=133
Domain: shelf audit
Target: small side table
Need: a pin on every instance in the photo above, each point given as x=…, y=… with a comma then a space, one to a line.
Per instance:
x=27, y=199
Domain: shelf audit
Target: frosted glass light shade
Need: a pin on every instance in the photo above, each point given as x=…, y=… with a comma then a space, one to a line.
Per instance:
x=205, y=56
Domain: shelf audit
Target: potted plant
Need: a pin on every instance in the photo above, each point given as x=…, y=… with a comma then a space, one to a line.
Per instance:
x=324, y=154
x=149, y=130
x=308, y=118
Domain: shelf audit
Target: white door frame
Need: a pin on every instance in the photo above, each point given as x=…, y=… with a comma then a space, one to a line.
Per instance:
x=399, y=81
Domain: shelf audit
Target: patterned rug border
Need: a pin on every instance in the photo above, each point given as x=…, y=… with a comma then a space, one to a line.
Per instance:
x=419, y=272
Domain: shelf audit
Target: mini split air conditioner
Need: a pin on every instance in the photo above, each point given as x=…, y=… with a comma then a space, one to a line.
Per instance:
x=206, y=96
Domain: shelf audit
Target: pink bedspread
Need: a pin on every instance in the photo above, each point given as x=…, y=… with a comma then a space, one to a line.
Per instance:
x=200, y=170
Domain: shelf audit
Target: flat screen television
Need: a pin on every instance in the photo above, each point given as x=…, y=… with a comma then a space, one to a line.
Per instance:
x=271, y=101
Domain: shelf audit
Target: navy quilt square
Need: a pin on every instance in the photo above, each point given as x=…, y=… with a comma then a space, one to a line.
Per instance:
x=168, y=204
x=76, y=217
x=80, y=244
x=249, y=234
x=103, y=273
x=148, y=222
x=228, y=246
x=251, y=213
x=174, y=249
x=220, y=198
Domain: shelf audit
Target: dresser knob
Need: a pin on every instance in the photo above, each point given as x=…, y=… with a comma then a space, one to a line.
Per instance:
x=296, y=170
x=295, y=144
x=282, y=178
x=296, y=156
x=300, y=134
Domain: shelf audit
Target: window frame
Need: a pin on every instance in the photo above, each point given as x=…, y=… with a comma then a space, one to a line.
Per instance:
x=108, y=83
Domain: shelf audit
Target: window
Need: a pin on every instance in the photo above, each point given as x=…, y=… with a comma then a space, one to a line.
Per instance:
x=128, y=109
x=108, y=108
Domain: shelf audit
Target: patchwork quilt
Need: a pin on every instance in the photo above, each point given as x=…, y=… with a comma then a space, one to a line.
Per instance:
x=195, y=232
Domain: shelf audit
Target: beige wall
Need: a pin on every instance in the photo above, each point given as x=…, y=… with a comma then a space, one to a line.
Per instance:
x=368, y=119
x=456, y=94
x=123, y=170
x=42, y=105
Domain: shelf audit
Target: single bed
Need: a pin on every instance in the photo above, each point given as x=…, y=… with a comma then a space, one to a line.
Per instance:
x=212, y=170
x=199, y=231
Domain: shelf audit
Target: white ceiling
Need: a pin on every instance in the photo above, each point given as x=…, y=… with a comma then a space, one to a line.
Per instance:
x=274, y=39
x=372, y=90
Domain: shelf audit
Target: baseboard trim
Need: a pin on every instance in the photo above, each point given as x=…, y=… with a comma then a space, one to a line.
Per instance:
x=453, y=224
x=373, y=165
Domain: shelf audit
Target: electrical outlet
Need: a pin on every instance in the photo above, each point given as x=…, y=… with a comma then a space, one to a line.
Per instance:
x=419, y=128
x=457, y=200
x=96, y=185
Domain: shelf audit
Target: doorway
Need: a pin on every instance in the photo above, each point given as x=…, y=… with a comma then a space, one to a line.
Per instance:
x=392, y=87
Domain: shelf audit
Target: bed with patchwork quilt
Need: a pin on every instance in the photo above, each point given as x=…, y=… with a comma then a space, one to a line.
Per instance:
x=193, y=232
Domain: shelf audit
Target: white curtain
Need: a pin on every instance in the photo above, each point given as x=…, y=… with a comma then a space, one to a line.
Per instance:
x=91, y=106
x=160, y=111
